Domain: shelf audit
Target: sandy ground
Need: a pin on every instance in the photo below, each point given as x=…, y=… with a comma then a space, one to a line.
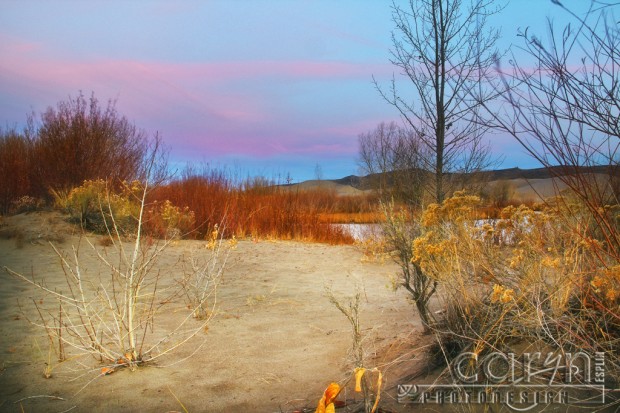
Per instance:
x=274, y=345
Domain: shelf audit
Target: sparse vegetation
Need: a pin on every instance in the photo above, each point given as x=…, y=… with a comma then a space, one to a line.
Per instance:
x=257, y=209
x=110, y=317
x=524, y=280
x=486, y=272
x=84, y=159
x=203, y=271
x=351, y=310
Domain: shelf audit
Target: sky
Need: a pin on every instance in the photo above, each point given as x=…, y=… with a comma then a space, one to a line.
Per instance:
x=264, y=87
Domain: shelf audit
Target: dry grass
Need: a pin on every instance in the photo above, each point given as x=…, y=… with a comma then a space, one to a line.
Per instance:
x=372, y=217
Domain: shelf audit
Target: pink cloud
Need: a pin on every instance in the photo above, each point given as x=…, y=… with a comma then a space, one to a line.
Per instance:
x=148, y=87
x=208, y=108
x=159, y=79
x=11, y=46
x=231, y=70
x=357, y=127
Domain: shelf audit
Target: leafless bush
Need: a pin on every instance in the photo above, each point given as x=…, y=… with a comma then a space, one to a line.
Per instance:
x=111, y=317
x=82, y=140
x=394, y=160
x=351, y=311
x=564, y=110
x=15, y=168
x=203, y=271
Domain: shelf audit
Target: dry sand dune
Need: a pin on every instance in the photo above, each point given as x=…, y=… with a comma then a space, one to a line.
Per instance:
x=340, y=189
x=537, y=190
x=528, y=185
x=276, y=341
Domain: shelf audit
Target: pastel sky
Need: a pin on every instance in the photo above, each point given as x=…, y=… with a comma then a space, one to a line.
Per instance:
x=269, y=87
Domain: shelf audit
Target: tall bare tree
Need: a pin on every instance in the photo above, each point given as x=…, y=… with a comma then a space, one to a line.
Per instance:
x=445, y=51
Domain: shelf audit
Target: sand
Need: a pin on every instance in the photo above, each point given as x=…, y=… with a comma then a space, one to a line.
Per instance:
x=274, y=344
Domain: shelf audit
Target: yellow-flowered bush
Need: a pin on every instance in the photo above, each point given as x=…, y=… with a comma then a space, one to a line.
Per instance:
x=166, y=220
x=94, y=205
x=531, y=275
x=97, y=207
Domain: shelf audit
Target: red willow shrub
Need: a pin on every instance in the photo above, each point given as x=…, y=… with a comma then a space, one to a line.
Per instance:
x=15, y=170
x=76, y=141
x=82, y=140
x=254, y=208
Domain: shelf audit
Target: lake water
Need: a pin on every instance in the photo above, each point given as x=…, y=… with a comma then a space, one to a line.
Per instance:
x=361, y=232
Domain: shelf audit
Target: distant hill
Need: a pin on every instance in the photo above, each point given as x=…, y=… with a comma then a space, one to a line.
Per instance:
x=341, y=187
x=528, y=184
x=538, y=173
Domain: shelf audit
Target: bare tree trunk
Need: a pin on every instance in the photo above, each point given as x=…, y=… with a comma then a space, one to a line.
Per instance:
x=444, y=51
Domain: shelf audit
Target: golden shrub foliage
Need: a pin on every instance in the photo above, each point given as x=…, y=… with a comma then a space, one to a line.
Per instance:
x=537, y=276
x=99, y=208
x=94, y=205
x=528, y=252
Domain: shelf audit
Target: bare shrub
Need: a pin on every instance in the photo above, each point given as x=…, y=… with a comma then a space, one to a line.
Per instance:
x=111, y=317
x=15, y=168
x=351, y=310
x=78, y=140
x=81, y=140
x=499, y=194
x=394, y=159
x=203, y=271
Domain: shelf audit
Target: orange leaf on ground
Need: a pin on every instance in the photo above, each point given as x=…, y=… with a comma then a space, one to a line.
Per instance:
x=326, y=404
x=359, y=373
x=331, y=392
